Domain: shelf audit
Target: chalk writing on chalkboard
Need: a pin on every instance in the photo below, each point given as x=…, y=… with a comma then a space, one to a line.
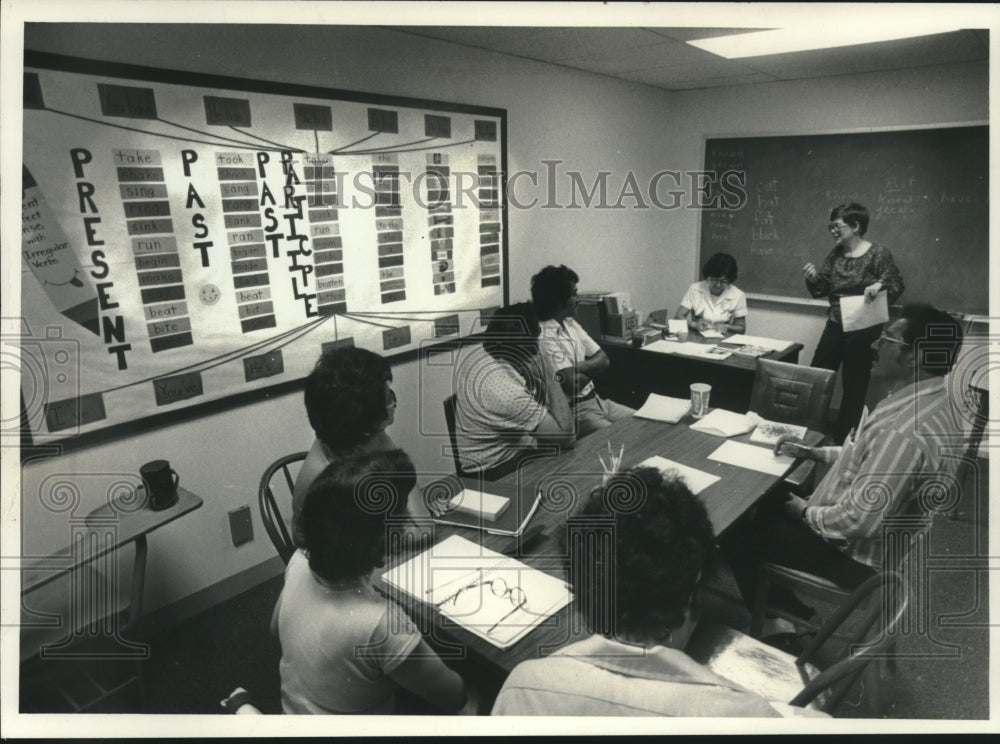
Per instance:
x=926, y=191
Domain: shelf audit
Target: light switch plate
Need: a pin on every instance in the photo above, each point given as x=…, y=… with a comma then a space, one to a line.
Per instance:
x=241, y=525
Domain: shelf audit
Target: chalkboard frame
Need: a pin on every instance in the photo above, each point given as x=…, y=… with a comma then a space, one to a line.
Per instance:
x=806, y=301
x=145, y=423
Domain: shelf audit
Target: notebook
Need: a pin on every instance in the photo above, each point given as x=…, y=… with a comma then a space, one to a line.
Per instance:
x=722, y=423
x=664, y=408
x=752, y=457
x=493, y=596
x=510, y=521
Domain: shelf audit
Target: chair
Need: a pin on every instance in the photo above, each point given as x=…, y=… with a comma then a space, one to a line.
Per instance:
x=659, y=316
x=270, y=514
x=778, y=676
x=449, y=418
x=793, y=394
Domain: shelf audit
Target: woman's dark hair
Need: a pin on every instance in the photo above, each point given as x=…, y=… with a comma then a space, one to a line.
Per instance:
x=513, y=331
x=852, y=214
x=345, y=396
x=342, y=522
x=934, y=336
x=720, y=264
x=645, y=547
x=551, y=289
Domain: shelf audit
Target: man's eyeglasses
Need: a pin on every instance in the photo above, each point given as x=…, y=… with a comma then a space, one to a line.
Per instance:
x=719, y=281
x=500, y=589
x=892, y=340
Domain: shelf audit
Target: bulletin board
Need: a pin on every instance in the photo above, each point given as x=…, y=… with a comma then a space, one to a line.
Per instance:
x=926, y=190
x=193, y=239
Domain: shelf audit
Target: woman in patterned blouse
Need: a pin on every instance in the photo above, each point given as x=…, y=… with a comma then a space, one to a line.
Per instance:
x=855, y=266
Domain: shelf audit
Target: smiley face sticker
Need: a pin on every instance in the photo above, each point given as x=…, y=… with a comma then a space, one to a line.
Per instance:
x=209, y=294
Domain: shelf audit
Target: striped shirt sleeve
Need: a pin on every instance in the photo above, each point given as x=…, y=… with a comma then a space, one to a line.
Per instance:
x=883, y=479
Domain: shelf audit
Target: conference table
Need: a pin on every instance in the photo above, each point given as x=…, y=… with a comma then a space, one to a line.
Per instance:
x=565, y=482
x=635, y=372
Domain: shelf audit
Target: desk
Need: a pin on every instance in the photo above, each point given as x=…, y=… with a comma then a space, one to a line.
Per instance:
x=125, y=519
x=565, y=483
x=635, y=373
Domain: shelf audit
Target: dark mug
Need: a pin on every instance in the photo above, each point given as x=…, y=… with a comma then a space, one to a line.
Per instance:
x=161, y=484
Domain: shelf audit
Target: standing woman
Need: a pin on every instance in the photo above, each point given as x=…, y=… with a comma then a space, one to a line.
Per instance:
x=855, y=266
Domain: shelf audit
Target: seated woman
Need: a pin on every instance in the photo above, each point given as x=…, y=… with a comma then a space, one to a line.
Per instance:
x=636, y=574
x=715, y=303
x=349, y=404
x=344, y=647
x=507, y=397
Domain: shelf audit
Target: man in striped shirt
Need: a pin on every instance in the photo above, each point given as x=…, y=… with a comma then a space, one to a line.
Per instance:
x=894, y=464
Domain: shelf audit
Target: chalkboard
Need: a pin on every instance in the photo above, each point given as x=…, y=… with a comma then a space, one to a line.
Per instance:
x=927, y=191
x=193, y=239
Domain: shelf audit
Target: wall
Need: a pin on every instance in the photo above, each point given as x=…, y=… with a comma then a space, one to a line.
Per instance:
x=589, y=123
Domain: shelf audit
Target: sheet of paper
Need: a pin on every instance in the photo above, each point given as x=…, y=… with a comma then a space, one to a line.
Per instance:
x=662, y=347
x=697, y=480
x=664, y=408
x=703, y=351
x=709, y=333
x=768, y=432
x=752, y=458
x=776, y=344
x=856, y=314
x=677, y=325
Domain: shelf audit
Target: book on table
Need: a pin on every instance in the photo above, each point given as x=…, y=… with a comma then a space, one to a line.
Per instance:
x=469, y=507
x=664, y=408
x=749, y=350
x=722, y=423
x=495, y=597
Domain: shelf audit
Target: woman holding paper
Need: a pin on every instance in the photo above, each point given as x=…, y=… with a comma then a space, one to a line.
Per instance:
x=715, y=303
x=855, y=267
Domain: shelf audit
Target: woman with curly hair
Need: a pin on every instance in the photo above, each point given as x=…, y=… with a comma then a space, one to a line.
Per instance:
x=639, y=551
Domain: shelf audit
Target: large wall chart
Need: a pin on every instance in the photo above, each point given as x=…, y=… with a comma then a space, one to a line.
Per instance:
x=187, y=238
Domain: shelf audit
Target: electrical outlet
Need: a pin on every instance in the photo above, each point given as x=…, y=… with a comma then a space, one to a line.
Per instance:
x=240, y=525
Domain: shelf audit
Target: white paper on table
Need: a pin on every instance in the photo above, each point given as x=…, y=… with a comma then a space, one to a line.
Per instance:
x=856, y=313
x=776, y=344
x=677, y=325
x=697, y=480
x=664, y=408
x=722, y=423
x=709, y=333
x=752, y=458
x=768, y=432
x=662, y=347
x=702, y=351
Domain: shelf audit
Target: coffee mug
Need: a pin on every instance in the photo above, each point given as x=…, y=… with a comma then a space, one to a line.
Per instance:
x=161, y=483
x=700, y=392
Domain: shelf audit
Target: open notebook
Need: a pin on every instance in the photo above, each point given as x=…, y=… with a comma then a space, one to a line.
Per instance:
x=496, y=597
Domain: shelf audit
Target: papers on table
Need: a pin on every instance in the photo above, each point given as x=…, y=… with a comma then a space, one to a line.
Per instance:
x=768, y=432
x=770, y=343
x=491, y=595
x=752, y=458
x=688, y=348
x=696, y=480
x=664, y=408
x=677, y=325
x=722, y=423
x=709, y=333
x=856, y=313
